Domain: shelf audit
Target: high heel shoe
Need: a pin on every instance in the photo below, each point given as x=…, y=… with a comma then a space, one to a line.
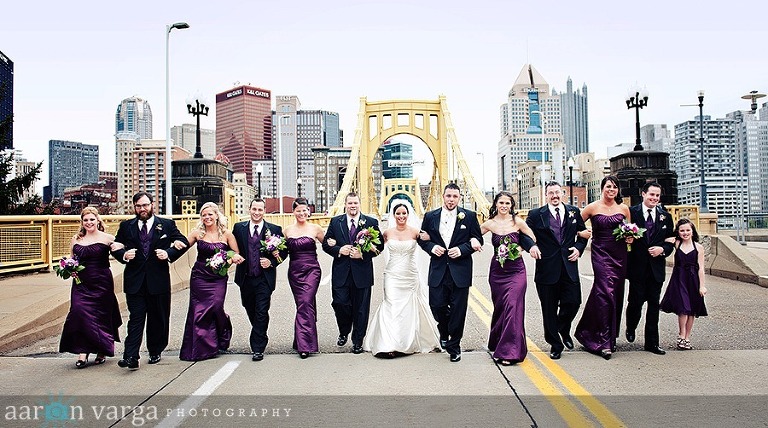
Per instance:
x=79, y=364
x=100, y=359
x=606, y=354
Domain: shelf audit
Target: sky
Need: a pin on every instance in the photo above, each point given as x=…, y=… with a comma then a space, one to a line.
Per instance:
x=75, y=61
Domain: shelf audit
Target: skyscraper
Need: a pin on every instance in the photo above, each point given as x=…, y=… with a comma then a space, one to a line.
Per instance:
x=134, y=115
x=575, y=119
x=244, y=127
x=398, y=160
x=71, y=164
x=6, y=102
x=530, y=129
x=185, y=136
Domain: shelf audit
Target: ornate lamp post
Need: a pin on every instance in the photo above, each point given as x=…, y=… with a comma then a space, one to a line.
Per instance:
x=704, y=206
x=570, y=178
x=200, y=109
x=753, y=96
x=520, y=191
x=168, y=189
x=259, y=171
x=637, y=99
x=298, y=187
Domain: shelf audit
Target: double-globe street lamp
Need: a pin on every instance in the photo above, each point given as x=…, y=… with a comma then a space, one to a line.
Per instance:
x=753, y=96
x=199, y=109
x=259, y=171
x=570, y=178
x=168, y=189
x=637, y=99
x=703, y=205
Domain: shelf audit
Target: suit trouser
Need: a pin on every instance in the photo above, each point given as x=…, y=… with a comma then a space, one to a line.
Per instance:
x=351, y=306
x=566, y=294
x=155, y=311
x=256, y=296
x=648, y=290
x=449, y=307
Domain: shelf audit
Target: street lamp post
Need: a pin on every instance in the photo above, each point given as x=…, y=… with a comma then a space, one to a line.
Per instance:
x=259, y=171
x=200, y=109
x=168, y=190
x=704, y=206
x=753, y=96
x=321, y=189
x=637, y=99
x=520, y=191
x=570, y=178
x=298, y=187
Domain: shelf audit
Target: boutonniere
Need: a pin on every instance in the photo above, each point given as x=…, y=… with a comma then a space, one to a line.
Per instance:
x=361, y=222
x=571, y=213
x=159, y=227
x=461, y=215
x=662, y=217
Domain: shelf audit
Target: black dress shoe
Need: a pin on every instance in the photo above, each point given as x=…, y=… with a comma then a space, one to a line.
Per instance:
x=130, y=363
x=656, y=350
x=303, y=355
x=257, y=356
x=555, y=355
x=630, y=336
x=154, y=359
x=357, y=349
x=342, y=340
x=606, y=354
x=567, y=341
x=455, y=358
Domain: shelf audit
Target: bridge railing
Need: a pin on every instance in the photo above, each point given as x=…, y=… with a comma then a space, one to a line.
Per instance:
x=33, y=243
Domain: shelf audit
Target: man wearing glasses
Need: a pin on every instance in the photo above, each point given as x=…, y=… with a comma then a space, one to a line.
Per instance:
x=147, y=252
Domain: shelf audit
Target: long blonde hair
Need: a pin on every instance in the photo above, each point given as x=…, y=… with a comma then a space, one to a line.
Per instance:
x=86, y=211
x=221, y=220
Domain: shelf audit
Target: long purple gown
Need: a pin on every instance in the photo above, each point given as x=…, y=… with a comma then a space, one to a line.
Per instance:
x=599, y=324
x=304, y=278
x=682, y=296
x=94, y=316
x=208, y=328
x=508, y=286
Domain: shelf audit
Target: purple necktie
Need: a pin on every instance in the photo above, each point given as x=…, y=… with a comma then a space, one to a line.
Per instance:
x=556, y=224
x=649, y=222
x=144, y=238
x=254, y=252
x=352, y=231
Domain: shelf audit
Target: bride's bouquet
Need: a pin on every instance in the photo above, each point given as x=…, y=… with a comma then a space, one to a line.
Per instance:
x=628, y=230
x=507, y=250
x=220, y=262
x=68, y=267
x=366, y=239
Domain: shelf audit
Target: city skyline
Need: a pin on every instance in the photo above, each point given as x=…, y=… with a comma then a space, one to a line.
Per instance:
x=69, y=76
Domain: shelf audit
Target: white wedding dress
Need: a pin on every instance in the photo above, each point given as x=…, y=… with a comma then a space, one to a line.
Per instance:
x=403, y=322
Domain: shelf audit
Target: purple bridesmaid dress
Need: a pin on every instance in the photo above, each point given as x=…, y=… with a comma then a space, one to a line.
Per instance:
x=208, y=328
x=599, y=324
x=304, y=278
x=94, y=316
x=508, y=286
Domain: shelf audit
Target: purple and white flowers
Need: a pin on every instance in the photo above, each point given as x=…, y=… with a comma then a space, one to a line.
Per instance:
x=507, y=250
x=69, y=267
x=273, y=243
x=628, y=230
x=366, y=239
x=220, y=262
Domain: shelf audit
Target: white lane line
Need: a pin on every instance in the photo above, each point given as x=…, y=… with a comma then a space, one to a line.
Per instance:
x=180, y=413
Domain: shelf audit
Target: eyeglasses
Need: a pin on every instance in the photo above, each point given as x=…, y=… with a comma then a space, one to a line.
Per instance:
x=141, y=206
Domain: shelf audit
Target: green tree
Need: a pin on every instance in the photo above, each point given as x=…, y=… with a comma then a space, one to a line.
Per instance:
x=12, y=189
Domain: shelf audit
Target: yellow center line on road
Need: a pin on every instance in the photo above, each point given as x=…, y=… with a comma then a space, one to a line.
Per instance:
x=570, y=413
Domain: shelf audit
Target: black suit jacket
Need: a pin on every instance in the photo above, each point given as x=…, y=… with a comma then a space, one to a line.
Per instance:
x=640, y=263
x=148, y=268
x=554, y=252
x=362, y=269
x=465, y=229
x=242, y=233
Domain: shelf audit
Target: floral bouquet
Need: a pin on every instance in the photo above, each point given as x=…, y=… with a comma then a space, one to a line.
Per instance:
x=628, y=230
x=507, y=250
x=69, y=267
x=273, y=243
x=366, y=238
x=220, y=262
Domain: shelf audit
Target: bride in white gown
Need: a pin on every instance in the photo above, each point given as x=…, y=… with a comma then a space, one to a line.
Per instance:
x=403, y=323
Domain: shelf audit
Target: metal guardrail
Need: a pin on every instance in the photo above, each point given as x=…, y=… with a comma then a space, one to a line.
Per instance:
x=35, y=242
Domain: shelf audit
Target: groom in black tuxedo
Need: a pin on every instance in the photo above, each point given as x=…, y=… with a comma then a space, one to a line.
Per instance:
x=646, y=266
x=557, y=251
x=351, y=272
x=147, y=253
x=450, y=229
